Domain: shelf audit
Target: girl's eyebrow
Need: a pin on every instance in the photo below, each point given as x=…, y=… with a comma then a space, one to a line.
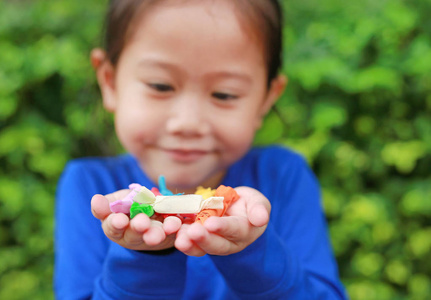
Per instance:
x=216, y=75
x=152, y=62
x=231, y=75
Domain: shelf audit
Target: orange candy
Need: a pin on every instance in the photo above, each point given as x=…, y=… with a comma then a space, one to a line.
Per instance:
x=230, y=196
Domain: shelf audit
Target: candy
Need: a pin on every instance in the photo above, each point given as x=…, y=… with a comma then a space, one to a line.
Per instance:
x=156, y=191
x=205, y=203
x=229, y=195
x=186, y=204
x=162, y=187
x=144, y=196
x=205, y=192
x=137, y=208
x=123, y=205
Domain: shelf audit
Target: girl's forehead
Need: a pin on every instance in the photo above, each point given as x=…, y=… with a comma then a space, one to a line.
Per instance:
x=259, y=20
x=197, y=41
x=196, y=27
x=220, y=12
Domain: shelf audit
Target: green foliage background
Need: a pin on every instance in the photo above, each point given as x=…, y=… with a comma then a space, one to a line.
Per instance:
x=358, y=107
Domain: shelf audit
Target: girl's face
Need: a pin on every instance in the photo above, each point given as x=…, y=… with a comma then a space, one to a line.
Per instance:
x=188, y=92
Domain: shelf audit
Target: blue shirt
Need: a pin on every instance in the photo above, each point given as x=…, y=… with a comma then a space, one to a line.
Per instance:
x=291, y=260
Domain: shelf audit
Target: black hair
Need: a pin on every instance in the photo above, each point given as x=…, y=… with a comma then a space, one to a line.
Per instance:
x=265, y=16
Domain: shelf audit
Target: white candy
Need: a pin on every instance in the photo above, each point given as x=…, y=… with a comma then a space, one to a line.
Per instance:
x=185, y=204
x=144, y=196
x=213, y=203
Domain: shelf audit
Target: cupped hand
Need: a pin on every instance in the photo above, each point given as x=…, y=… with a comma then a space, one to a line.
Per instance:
x=139, y=233
x=244, y=221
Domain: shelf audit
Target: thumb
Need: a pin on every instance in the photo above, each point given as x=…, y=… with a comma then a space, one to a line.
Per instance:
x=100, y=207
x=258, y=214
x=258, y=206
x=100, y=204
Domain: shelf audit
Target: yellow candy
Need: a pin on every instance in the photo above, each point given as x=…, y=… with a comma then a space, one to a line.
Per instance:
x=205, y=192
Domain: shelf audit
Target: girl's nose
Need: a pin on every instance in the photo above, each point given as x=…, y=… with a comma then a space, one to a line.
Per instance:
x=188, y=118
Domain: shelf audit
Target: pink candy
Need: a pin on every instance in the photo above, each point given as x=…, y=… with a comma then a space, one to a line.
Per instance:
x=123, y=205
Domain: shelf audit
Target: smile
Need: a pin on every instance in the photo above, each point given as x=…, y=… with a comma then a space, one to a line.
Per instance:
x=186, y=156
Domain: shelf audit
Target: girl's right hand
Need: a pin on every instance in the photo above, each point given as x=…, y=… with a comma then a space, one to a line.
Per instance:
x=139, y=233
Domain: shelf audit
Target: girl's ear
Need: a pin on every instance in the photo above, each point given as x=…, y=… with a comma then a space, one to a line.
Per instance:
x=276, y=88
x=106, y=78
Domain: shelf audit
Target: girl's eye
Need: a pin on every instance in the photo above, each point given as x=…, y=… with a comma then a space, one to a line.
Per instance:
x=161, y=87
x=224, y=96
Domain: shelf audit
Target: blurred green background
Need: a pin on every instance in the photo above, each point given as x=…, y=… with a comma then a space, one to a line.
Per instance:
x=358, y=107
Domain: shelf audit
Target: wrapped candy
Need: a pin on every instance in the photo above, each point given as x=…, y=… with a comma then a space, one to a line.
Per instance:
x=199, y=206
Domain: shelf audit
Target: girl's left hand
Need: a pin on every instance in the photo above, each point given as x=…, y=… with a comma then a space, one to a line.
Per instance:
x=244, y=221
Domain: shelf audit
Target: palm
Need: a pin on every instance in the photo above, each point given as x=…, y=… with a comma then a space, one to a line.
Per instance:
x=244, y=221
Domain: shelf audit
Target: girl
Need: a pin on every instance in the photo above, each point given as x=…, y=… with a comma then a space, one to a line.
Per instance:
x=189, y=83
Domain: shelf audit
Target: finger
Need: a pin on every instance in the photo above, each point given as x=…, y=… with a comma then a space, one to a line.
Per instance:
x=114, y=226
x=140, y=223
x=171, y=225
x=258, y=207
x=258, y=214
x=100, y=204
x=184, y=244
x=132, y=238
x=117, y=195
x=155, y=234
x=208, y=242
x=197, y=232
x=100, y=207
x=231, y=228
x=133, y=235
x=195, y=251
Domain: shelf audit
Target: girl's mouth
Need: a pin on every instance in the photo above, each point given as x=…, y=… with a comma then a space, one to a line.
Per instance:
x=186, y=156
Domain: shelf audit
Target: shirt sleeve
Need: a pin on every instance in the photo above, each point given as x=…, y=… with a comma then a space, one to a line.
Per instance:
x=293, y=259
x=89, y=266
x=80, y=245
x=135, y=275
